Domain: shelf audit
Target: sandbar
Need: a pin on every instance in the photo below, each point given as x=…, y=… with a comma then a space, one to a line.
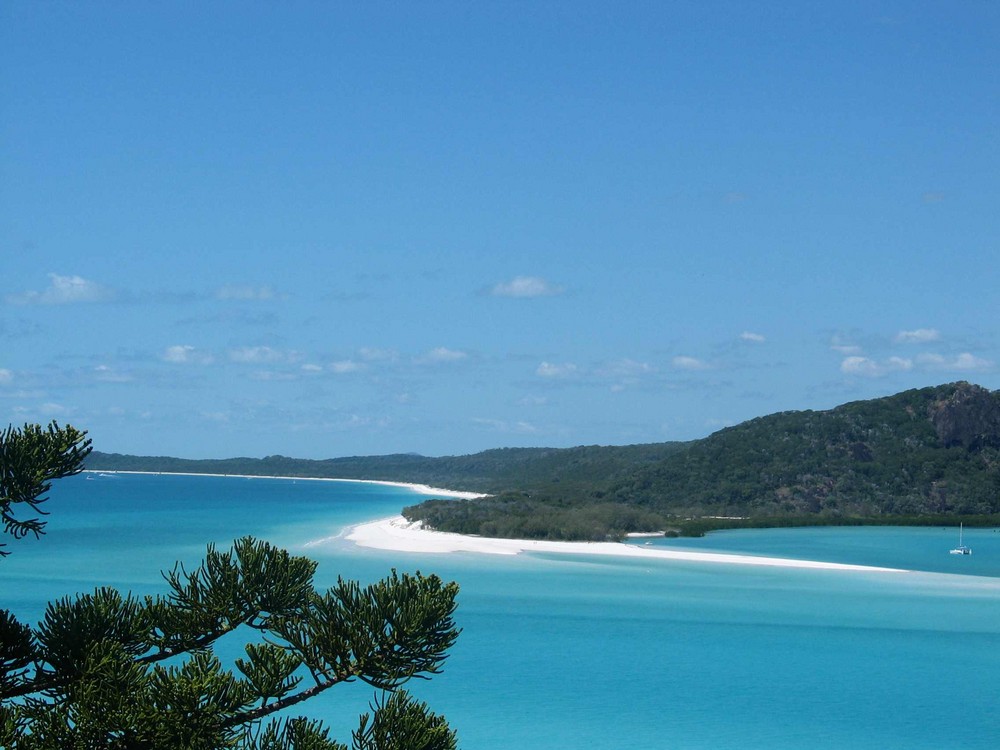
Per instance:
x=398, y=534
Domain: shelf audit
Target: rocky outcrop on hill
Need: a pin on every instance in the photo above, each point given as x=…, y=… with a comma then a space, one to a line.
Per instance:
x=969, y=417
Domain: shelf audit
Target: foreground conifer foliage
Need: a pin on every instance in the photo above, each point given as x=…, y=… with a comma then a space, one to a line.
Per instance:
x=115, y=671
x=30, y=459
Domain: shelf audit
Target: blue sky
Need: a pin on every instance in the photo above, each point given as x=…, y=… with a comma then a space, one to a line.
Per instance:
x=328, y=229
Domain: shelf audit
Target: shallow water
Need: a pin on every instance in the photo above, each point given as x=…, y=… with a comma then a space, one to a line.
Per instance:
x=601, y=652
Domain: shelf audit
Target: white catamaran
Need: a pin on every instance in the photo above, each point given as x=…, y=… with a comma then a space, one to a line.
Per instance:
x=961, y=549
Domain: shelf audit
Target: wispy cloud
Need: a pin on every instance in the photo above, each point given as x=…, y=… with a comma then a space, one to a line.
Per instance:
x=6, y=377
x=532, y=401
x=553, y=370
x=519, y=427
x=182, y=354
x=753, y=338
x=526, y=287
x=690, y=363
x=260, y=355
x=843, y=345
x=918, y=336
x=870, y=368
x=44, y=412
x=245, y=293
x=964, y=362
x=345, y=366
x=624, y=368
x=65, y=290
x=107, y=374
x=442, y=355
x=273, y=376
x=876, y=368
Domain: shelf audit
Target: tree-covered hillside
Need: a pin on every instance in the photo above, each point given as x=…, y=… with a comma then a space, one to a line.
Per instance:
x=570, y=471
x=917, y=456
x=926, y=451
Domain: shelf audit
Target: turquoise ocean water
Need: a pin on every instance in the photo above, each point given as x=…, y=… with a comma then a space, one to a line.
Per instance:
x=594, y=652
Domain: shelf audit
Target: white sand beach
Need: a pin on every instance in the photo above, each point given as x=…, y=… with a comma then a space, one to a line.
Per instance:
x=396, y=533
x=422, y=489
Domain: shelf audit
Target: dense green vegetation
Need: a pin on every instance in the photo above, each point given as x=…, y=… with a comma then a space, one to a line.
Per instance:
x=926, y=451
x=920, y=456
x=31, y=458
x=566, y=471
x=112, y=671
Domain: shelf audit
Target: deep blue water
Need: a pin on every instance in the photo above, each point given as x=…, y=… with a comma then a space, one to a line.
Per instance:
x=567, y=652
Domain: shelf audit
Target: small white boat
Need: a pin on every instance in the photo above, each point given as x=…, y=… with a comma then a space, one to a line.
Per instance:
x=961, y=549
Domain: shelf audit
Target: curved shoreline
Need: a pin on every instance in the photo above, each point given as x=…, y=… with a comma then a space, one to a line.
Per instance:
x=423, y=489
x=399, y=535
x=396, y=534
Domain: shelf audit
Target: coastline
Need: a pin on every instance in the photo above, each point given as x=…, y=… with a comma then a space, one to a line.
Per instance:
x=396, y=534
x=399, y=535
x=422, y=489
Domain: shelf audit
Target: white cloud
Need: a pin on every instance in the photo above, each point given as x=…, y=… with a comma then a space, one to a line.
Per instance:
x=355, y=421
x=963, y=362
x=918, y=336
x=899, y=363
x=844, y=346
x=870, y=368
x=345, y=366
x=184, y=354
x=689, y=363
x=755, y=338
x=625, y=368
x=257, y=355
x=46, y=411
x=245, y=293
x=106, y=374
x=966, y=361
x=65, y=290
x=859, y=366
x=552, y=370
x=443, y=354
x=526, y=286
x=308, y=367
x=6, y=376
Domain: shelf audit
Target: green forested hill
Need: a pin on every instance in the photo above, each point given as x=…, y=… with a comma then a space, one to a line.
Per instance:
x=932, y=450
x=571, y=470
x=919, y=456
